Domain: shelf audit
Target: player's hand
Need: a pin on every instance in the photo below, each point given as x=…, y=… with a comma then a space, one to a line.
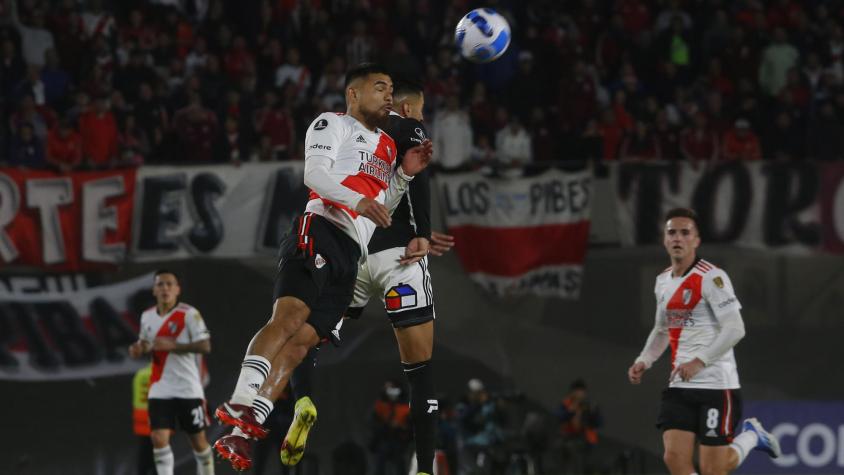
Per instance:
x=417, y=158
x=163, y=343
x=687, y=371
x=139, y=348
x=441, y=243
x=416, y=249
x=378, y=213
x=634, y=374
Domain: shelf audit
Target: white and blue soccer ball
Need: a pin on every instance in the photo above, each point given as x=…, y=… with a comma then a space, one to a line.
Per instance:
x=482, y=35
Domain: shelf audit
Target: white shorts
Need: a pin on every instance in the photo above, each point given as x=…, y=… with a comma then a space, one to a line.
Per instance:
x=405, y=290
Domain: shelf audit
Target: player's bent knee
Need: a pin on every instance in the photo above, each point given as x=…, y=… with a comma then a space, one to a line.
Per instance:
x=160, y=438
x=675, y=460
x=289, y=313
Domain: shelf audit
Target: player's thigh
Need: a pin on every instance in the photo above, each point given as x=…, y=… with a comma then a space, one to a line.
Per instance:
x=416, y=343
x=407, y=293
x=678, y=410
x=192, y=415
x=364, y=289
x=679, y=448
x=719, y=414
x=330, y=308
x=162, y=414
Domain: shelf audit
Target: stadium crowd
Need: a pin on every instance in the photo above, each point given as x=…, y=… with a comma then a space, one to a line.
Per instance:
x=97, y=84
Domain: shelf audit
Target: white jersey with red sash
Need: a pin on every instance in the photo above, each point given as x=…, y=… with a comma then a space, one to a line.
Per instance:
x=690, y=307
x=175, y=375
x=363, y=161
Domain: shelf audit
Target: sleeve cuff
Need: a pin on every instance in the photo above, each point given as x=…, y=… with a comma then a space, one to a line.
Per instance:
x=643, y=360
x=402, y=175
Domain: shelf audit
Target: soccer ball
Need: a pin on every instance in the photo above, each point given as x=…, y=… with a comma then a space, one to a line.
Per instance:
x=482, y=35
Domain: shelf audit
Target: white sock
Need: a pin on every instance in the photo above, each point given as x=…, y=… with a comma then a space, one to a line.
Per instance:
x=163, y=458
x=253, y=372
x=262, y=408
x=744, y=443
x=204, y=462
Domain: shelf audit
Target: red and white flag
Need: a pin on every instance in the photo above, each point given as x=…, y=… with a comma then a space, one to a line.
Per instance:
x=520, y=235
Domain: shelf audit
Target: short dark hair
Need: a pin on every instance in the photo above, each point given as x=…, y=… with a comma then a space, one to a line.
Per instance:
x=404, y=87
x=683, y=213
x=167, y=271
x=363, y=70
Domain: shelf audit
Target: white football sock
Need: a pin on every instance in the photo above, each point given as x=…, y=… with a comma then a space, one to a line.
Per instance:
x=262, y=408
x=253, y=372
x=163, y=459
x=744, y=443
x=204, y=462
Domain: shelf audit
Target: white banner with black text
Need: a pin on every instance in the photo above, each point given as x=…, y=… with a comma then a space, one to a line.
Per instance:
x=520, y=235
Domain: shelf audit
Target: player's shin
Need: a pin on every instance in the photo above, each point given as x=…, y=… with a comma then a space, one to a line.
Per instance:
x=204, y=462
x=300, y=382
x=164, y=461
x=743, y=444
x=424, y=410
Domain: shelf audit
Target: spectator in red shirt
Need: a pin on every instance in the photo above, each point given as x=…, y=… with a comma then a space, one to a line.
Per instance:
x=196, y=129
x=274, y=121
x=699, y=142
x=611, y=135
x=64, y=147
x=99, y=134
x=641, y=144
x=740, y=143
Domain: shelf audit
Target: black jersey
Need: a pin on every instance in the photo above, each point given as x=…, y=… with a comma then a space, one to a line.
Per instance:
x=412, y=217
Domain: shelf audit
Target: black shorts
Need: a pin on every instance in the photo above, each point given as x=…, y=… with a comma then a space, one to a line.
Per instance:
x=712, y=414
x=318, y=264
x=191, y=414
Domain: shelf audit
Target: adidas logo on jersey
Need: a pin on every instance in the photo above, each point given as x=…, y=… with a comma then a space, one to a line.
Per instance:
x=360, y=139
x=711, y=433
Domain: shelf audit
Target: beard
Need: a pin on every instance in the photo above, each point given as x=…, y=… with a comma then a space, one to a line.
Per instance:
x=375, y=118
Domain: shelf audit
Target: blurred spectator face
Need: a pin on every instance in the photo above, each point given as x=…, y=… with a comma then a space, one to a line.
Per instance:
x=742, y=128
x=82, y=100
x=146, y=91
x=477, y=391
x=231, y=125
x=136, y=19
x=33, y=73
x=8, y=49
x=700, y=121
x=27, y=104
x=38, y=18
x=102, y=104
x=293, y=56
x=64, y=128
x=779, y=36
x=26, y=133
x=391, y=391
x=783, y=121
x=641, y=128
x=51, y=59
